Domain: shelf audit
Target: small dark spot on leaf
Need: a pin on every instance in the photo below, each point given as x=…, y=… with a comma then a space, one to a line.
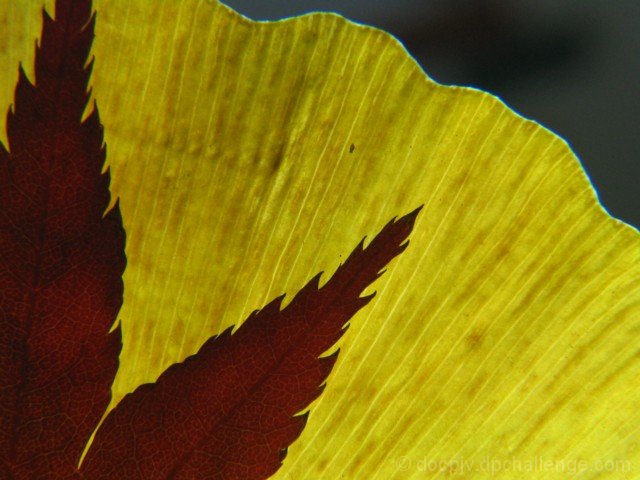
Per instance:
x=475, y=339
x=352, y=148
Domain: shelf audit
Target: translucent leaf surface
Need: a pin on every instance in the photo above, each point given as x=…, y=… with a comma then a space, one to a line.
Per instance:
x=230, y=411
x=247, y=155
x=61, y=260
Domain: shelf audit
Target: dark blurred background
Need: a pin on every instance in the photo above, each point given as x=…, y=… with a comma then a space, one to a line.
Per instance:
x=571, y=65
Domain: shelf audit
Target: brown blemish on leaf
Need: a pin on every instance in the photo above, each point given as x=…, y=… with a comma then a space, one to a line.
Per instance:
x=475, y=339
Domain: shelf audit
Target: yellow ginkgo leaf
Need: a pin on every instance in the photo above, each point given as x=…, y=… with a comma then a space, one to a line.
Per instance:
x=248, y=156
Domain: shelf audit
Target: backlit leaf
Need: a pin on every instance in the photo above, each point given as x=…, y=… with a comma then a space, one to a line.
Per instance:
x=247, y=155
x=230, y=411
x=61, y=261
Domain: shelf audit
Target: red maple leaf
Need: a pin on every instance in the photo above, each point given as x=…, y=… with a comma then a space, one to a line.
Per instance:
x=231, y=410
x=61, y=260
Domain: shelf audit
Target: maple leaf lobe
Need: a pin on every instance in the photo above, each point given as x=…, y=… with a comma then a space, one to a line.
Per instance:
x=61, y=259
x=232, y=409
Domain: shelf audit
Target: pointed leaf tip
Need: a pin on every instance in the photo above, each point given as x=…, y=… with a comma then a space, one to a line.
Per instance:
x=62, y=261
x=243, y=394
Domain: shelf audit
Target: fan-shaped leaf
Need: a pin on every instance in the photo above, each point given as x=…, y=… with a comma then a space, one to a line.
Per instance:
x=506, y=332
